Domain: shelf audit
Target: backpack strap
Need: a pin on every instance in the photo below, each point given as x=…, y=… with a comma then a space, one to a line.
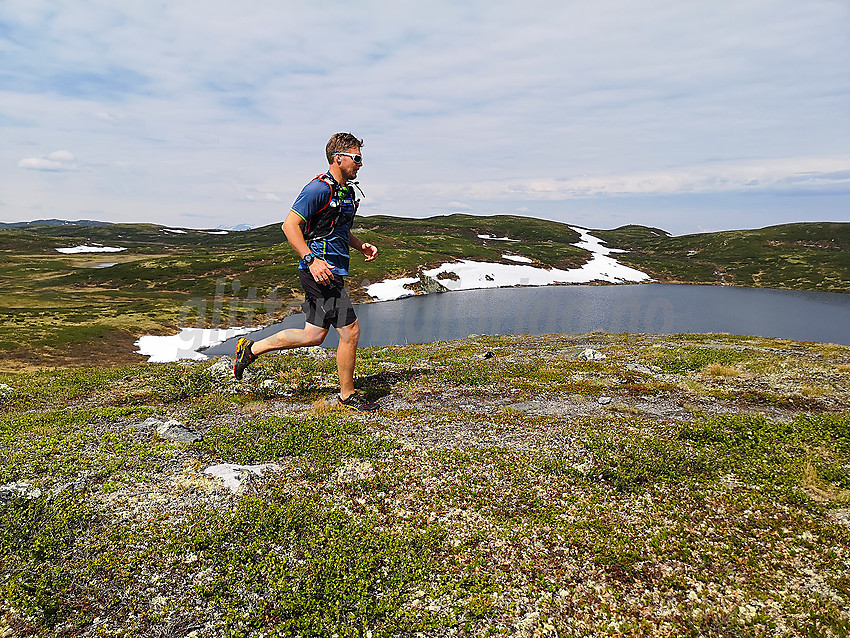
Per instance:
x=331, y=183
x=312, y=230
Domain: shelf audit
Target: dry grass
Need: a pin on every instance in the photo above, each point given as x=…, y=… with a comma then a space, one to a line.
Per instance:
x=814, y=391
x=820, y=490
x=718, y=370
x=323, y=406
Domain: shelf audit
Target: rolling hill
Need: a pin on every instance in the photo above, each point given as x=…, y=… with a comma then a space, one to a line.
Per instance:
x=78, y=308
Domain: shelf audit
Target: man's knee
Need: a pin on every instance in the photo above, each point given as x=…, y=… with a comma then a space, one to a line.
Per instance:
x=314, y=335
x=350, y=333
x=315, y=340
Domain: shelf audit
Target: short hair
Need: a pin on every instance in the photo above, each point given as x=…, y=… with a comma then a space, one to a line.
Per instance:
x=340, y=143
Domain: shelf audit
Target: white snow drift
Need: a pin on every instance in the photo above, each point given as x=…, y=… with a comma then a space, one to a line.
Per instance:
x=391, y=288
x=467, y=274
x=184, y=345
x=89, y=249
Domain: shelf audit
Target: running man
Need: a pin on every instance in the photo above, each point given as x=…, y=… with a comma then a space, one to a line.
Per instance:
x=319, y=229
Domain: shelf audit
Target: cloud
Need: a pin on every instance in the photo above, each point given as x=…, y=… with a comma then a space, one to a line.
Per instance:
x=61, y=156
x=719, y=177
x=522, y=103
x=260, y=197
x=56, y=161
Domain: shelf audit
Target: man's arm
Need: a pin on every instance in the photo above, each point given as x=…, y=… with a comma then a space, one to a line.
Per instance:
x=369, y=251
x=291, y=227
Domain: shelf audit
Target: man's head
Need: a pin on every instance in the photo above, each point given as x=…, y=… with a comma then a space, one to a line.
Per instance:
x=340, y=151
x=342, y=143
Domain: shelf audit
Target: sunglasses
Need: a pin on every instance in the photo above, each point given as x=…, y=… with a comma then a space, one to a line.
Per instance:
x=358, y=159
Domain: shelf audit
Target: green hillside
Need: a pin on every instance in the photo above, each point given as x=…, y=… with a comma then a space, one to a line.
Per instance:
x=810, y=256
x=62, y=309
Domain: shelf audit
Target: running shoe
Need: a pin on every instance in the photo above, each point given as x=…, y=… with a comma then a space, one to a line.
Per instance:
x=244, y=357
x=356, y=403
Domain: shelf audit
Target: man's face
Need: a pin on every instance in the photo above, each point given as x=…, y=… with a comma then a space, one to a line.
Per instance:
x=347, y=166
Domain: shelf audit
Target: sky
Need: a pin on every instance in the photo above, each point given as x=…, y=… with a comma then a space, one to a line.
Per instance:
x=685, y=115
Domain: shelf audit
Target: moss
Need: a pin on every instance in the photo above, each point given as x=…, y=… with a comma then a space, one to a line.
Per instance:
x=668, y=511
x=291, y=566
x=36, y=538
x=324, y=438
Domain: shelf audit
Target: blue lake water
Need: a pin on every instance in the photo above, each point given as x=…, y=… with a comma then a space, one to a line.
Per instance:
x=645, y=308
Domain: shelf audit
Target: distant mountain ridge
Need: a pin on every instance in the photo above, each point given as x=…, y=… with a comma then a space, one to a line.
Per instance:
x=237, y=227
x=92, y=222
x=54, y=222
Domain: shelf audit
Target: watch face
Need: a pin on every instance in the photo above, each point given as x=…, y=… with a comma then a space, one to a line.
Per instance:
x=308, y=259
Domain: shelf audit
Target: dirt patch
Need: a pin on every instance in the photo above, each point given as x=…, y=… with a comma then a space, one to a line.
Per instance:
x=112, y=350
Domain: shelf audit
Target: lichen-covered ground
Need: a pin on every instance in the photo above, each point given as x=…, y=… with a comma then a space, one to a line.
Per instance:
x=683, y=485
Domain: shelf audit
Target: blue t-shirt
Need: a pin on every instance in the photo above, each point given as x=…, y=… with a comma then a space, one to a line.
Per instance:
x=314, y=200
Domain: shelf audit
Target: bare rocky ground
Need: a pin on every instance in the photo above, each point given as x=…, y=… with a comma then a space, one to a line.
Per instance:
x=536, y=486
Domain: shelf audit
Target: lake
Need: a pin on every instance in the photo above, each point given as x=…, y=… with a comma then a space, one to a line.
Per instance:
x=648, y=308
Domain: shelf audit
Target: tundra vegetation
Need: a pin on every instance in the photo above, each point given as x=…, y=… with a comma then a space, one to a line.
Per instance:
x=64, y=310
x=687, y=485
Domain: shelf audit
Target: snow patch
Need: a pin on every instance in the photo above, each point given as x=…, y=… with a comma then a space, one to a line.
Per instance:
x=478, y=274
x=89, y=249
x=470, y=274
x=391, y=289
x=174, y=230
x=184, y=345
x=494, y=238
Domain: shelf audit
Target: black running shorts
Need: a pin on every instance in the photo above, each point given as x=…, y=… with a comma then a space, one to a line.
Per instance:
x=326, y=305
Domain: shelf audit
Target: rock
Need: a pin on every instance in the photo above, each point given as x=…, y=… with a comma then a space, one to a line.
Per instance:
x=591, y=355
x=637, y=367
x=431, y=285
x=177, y=432
x=23, y=489
x=233, y=474
x=604, y=400
x=273, y=388
x=148, y=424
x=222, y=369
x=74, y=486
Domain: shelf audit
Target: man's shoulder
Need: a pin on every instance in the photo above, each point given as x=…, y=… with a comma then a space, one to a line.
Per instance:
x=313, y=196
x=318, y=185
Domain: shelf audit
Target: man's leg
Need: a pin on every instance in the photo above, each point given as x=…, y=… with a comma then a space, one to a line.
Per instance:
x=309, y=335
x=247, y=351
x=346, y=354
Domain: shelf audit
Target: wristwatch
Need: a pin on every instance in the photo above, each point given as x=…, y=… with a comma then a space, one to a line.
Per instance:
x=308, y=258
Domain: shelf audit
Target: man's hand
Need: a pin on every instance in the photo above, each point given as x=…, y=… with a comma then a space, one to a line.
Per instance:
x=321, y=271
x=369, y=251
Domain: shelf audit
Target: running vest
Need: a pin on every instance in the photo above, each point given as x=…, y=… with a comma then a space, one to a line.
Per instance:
x=340, y=209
